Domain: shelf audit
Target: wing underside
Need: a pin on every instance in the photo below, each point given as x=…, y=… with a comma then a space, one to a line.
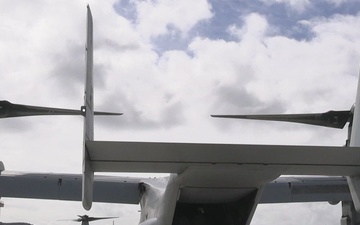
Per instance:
x=111, y=189
x=68, y=187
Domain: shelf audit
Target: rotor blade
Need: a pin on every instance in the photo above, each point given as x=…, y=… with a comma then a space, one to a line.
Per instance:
x=75, y=220
x=87, y=218
x=8, y=109
x=334, y=119
x=82, y=217
x=100, y=218
x=88, y=134
x=107, y=114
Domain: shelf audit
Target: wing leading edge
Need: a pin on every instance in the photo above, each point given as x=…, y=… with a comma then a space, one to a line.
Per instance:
x=177, y=157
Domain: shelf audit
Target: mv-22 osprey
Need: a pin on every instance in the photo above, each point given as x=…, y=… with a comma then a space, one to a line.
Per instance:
x=208, y=183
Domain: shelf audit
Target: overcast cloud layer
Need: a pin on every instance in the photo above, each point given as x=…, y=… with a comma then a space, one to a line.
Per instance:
x=167, y=65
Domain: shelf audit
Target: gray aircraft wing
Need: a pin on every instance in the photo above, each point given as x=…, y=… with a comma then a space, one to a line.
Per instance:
x=8, y=109
x=157, y=157
x=306, y=189
x=115, y=189
x=58, y=186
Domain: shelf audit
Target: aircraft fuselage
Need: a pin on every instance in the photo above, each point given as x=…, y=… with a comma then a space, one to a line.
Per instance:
x=213, y=194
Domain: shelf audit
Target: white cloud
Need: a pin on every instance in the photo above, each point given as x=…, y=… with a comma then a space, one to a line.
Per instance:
x=155, y=17
x=276, y=61
x=339, y=2
x=338, y=26
x=255, y=26
x=296, y=5
x=258, y=72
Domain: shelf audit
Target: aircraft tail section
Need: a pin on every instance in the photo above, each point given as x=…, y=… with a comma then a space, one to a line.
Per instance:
x=355, y=131
x=88, y=173
x=354, y=181
x=334, y=119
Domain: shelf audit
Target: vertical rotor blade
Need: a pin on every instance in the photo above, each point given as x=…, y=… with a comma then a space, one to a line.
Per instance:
x=354, y=181
x=355, y=131
x=88, y=173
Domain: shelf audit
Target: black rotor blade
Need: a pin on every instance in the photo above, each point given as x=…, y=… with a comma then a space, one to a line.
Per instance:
x=334, y=119
x=75, y=220
x=100, y=218
x=8, y=109
x=107, y=114
x=86, y=218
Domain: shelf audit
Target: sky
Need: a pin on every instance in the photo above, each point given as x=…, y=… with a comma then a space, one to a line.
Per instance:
x=167, y=65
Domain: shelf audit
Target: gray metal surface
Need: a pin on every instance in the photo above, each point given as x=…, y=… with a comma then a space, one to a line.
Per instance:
x=68, y=187
x=112, y=189
x=306, y=189
x=88, y=173
x=177, y=157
